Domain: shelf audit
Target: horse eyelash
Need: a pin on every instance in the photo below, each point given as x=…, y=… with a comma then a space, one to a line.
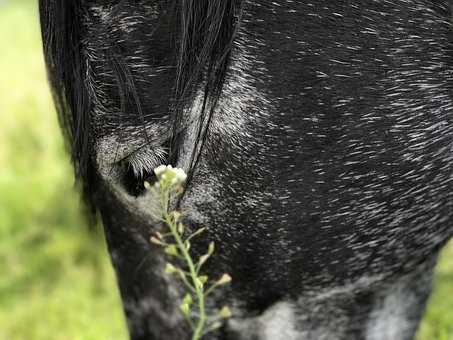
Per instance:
x=145, y=160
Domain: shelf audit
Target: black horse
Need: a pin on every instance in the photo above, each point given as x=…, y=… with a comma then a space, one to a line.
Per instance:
x=318, y=138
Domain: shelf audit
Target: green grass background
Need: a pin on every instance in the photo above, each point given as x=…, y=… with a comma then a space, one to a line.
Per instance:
x=56, y=282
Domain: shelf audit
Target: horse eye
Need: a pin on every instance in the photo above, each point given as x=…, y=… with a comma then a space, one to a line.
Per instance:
x=133, y=183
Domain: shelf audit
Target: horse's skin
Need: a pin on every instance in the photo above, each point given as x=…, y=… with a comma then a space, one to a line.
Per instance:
x=326, y=173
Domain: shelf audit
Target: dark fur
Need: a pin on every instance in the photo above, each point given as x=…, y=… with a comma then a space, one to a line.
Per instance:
x=203, y=42
x=320, y=151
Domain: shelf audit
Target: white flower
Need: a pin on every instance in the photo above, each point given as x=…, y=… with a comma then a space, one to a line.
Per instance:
x=160, y=170
x=180, y=175
x=175, y=175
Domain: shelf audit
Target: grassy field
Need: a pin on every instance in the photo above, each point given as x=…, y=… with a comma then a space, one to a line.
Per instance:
x=55, y=279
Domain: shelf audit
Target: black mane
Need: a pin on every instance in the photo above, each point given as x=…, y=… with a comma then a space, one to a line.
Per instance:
x=204, y=42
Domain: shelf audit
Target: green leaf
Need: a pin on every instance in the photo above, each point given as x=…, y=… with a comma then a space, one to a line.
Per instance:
x=202, y=260
x=172, y=250
x=198, y=232
x=203, y=278
x=187, y=299
x=211, y=248
x=181, y=228
x=214, y=326
x=185, y=308
x=198, y=283
x=156, y=241
x=170, y=269
x=225, y=312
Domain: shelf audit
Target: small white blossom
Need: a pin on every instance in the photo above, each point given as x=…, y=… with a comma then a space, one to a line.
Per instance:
x=180, y=175
x=160, y=170
x=167, y=172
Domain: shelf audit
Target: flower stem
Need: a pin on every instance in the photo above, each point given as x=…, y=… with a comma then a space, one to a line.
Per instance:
x=199, y=289
x=168, y=187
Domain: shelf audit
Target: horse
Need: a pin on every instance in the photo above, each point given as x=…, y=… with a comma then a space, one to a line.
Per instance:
x=317, y=137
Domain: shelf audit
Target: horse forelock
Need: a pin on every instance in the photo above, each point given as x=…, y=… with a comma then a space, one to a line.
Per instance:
x=203, y=37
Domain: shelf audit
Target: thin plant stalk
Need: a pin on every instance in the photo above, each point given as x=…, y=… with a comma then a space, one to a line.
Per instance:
x=168, y=186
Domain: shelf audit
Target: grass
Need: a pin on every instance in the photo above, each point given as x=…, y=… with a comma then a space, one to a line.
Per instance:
x=438, y=321
x=56, y=282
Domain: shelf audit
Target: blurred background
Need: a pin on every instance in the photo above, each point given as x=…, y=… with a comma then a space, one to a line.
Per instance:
x=55, y=277
x=56, y=282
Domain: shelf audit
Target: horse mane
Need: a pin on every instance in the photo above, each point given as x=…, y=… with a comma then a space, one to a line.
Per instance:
x=205, y=39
